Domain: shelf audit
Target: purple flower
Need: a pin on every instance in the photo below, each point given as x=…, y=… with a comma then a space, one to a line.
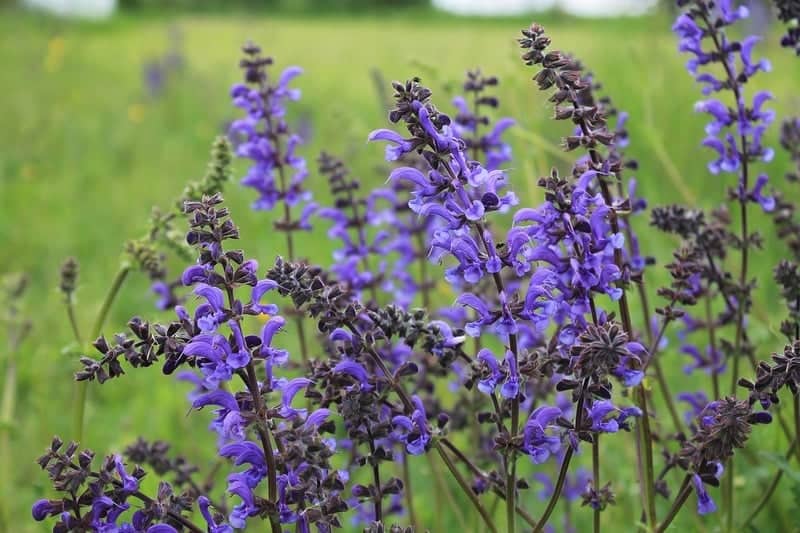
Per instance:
x=213, y=527
x=733, y=133
x=541, y=437
x=414, y=429
x=44, y=508
x=355, y=371
x=276, y=172
x=129, y=483
x=510, y=388
x=259, y=290
x=288, y=391
x=489, y=383
x=705, y=504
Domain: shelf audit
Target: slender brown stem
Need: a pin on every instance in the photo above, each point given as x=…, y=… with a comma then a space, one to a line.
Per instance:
x=262, y=428
x=510, y=459
x=362, y=239
x=423, y=272
x=288, y=229
x=648, y=478
x=551, y=503
x=264, y=435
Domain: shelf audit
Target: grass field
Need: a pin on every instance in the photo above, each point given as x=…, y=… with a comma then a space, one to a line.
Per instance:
x=86, y=154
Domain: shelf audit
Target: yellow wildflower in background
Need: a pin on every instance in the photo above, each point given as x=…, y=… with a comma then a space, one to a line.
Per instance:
x=136, y=113
x=54, y=58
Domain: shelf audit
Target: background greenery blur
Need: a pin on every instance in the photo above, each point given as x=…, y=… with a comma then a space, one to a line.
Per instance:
x=89, y=145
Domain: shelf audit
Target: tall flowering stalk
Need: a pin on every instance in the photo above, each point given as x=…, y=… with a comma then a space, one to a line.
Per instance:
x=735, y=134
x=277, y=172
x=462, y=193
x=211, y=339
x=471, y=121
x=562, y=72
x=351, y=215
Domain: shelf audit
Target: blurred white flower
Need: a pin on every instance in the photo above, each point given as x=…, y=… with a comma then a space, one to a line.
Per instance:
x=606, y=8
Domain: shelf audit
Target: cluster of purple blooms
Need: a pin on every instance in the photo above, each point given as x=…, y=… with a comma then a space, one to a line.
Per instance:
x=278, y=172
x=538, y=344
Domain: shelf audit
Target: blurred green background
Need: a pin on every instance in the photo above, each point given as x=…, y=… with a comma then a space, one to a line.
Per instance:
x=87, y=150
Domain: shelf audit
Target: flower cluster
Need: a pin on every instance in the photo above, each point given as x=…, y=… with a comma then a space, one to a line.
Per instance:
x=734, y=133
x=351, y=216
x=277, y=173
x=470, y=118
x=723, y=426
x=789, y=13
x=95, y=499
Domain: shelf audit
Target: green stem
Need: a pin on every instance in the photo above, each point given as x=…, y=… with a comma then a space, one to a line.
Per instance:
x=81, y=387
x=551, y=503
x=479, y=473
x=562, y=472
x=680, y=499
x=648, y=481
x=465, y=487
x=113, y=291
x=7, y=409
x=771, y=489
x=409, y=494
x=444, y=488
x=596, y=476
x=76, y=332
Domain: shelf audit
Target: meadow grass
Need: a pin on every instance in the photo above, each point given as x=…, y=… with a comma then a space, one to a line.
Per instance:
x=86, y=154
